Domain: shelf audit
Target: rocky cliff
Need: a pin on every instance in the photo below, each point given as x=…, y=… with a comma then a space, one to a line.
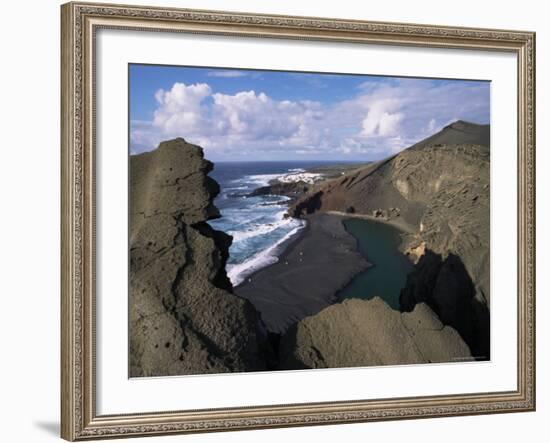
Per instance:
x=370, y=333
x=439, y=188
x=184, y=318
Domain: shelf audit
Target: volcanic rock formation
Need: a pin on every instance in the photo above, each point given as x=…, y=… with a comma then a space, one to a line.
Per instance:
x=184, y=318
x=370, y=333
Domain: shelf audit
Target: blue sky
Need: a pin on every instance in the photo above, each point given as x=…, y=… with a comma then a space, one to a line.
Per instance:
x=269, y=115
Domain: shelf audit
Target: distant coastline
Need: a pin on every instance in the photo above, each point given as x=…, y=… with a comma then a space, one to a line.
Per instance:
x=254, y=202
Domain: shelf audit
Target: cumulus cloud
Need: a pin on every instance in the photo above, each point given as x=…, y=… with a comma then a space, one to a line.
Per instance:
x=181, y=108
x=381, y=119
x=402, y=112
x=255, y=116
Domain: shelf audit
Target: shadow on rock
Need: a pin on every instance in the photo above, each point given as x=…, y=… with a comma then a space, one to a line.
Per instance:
x=445, y=285
x=309, y=205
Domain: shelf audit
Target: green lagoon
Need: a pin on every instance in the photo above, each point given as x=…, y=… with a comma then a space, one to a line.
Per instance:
x=378, y=242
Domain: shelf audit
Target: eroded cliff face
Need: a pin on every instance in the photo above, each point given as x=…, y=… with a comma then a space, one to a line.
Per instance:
x=439, y=188
x=184, y=318
x=451, y=246
x=369, y=333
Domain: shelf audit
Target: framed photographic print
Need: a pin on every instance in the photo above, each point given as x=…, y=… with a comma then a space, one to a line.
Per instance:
x=281, y=221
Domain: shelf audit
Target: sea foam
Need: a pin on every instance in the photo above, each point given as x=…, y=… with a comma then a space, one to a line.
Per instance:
x=256, y=223
x=237, y=273
x=260, y=229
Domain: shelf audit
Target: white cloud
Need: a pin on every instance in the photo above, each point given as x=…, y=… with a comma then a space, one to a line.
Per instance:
x=431, y=125
x=380, y=120
x=227, y=74
x=180, y=109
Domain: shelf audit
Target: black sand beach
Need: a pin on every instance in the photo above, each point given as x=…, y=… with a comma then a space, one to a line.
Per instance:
x=314, y=267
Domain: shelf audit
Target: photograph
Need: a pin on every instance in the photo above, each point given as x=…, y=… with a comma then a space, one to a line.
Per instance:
x=285, y=220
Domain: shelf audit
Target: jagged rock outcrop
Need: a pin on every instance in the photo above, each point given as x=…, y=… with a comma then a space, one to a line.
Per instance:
x=183, y=317
x=370, y=333
x=288, y=189
x=440, y=189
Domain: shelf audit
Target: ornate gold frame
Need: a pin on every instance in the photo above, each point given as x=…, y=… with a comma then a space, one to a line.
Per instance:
x=79, y=420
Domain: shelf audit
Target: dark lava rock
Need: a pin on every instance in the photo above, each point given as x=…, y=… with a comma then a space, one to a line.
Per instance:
x=290, y=189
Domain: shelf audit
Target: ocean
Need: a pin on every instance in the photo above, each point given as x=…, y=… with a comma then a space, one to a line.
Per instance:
x=256, y=223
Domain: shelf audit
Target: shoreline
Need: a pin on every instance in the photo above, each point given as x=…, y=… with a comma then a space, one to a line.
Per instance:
x=281, y=245
x=285, y=186
x=285, y=247
x=275, y=252
x=316, y=263
x=401, y=225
